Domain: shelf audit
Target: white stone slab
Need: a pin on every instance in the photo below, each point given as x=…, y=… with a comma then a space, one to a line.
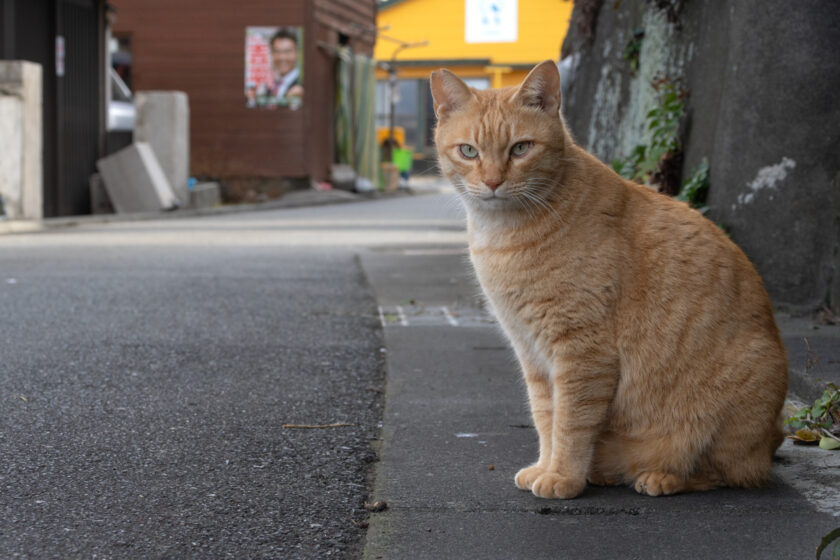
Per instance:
x=163, y=120
x=135, y=181
x=11, y=154
x=21, y=139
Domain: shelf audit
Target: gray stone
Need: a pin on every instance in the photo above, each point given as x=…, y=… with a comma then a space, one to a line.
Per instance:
x=205, y=195
x=163, y=120
x=21, y=140
x=135, y=181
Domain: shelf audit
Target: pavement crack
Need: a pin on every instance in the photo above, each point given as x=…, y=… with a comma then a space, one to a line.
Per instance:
x=589, y=510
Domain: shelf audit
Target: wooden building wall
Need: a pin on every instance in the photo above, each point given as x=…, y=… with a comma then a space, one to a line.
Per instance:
x=198, y=46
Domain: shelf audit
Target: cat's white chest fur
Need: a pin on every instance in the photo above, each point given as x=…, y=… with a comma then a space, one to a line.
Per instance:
x=527, y=344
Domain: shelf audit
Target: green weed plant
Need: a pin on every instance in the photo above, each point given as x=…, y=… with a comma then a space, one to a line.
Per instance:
x=696, y=187
x=820, y=422
x=663, y=121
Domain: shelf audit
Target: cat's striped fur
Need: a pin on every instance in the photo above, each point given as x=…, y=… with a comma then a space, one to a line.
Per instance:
x=644, y=334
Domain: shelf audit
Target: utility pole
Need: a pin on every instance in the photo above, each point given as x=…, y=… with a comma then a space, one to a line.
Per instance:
x=392, y=91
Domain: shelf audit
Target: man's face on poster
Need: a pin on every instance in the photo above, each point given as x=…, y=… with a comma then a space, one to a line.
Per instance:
x=283, y=55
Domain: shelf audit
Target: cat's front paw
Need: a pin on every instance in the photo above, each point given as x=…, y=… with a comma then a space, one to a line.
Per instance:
x=525, y=478
x=554, y=485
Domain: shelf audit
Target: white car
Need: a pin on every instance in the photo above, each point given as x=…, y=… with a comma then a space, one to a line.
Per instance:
x=121, y=113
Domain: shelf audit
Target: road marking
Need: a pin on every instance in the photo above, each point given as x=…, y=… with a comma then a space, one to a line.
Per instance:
x=419, y=315
x=449, y=317
x=401, y=313
x=447, y=251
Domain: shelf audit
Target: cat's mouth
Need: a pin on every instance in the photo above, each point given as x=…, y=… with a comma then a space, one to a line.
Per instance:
x=486, y=194
x=489, y=199
x=493, y=199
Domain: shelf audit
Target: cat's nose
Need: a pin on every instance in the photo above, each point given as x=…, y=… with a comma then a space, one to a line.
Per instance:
x=493, y=183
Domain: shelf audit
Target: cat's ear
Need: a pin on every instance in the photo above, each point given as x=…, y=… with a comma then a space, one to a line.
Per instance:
x=448, y=91
x=541, y=88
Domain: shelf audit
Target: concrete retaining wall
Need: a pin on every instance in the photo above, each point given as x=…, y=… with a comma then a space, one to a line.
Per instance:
x=763, y=77
x=21, y=140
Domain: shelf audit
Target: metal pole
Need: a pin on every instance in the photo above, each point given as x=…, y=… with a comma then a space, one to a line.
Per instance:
x=392, y=87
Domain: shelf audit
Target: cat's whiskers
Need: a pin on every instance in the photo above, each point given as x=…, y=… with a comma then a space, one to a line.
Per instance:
x=526, y=203
x=538, y=205
x=539, y=191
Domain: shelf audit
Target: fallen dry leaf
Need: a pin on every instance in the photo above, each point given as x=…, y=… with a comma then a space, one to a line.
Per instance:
x=805, y=435
x=376, y=506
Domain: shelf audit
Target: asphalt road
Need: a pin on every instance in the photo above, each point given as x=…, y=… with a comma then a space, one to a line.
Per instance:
x=148, y=370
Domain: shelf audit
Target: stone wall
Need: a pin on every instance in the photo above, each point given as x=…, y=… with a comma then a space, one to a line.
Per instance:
x=763, y=79
x=21, y=140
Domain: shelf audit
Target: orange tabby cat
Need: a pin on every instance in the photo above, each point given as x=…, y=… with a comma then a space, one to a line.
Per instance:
x=645, y=335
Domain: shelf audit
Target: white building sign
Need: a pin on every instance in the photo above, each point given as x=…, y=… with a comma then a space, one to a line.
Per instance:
x=491, y=21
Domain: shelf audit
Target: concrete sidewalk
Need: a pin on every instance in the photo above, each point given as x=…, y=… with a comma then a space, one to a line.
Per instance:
x=418, y=185
x=293, y=199
x=457, y=428
x=813, y=355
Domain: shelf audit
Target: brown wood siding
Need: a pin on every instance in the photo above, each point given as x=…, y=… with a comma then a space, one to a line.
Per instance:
x=198, y=46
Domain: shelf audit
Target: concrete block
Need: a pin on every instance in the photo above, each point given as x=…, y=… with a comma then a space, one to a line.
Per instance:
x=21, y=139
x=205, y=195
x=163, y=120
x=135, y=181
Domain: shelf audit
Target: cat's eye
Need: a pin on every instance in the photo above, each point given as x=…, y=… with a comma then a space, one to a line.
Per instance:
x=520, y=148
x=468, y=151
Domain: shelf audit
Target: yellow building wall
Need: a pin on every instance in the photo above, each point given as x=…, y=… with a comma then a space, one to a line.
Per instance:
x=542, y=26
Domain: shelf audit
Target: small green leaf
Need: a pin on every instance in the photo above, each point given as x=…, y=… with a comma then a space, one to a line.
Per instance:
x=829, y=443
x=795, y=424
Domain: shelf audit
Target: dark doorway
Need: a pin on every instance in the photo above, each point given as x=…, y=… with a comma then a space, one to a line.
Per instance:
x=79, y=103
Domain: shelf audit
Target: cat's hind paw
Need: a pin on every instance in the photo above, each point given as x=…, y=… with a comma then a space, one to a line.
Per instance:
x=525, y=478
x=658, y=484
x=554, y=485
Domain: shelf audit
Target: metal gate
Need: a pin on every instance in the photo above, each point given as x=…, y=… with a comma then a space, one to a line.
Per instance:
x=79, y=102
